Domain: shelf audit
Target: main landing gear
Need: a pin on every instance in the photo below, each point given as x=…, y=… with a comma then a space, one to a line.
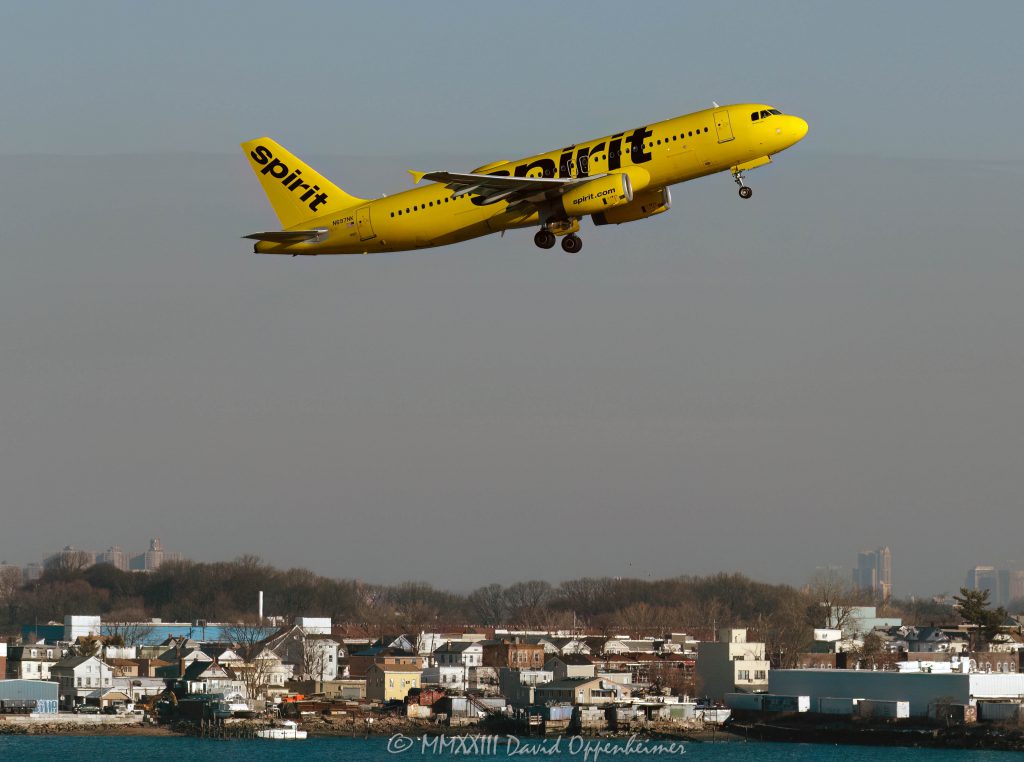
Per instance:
x=745, y=190
x=545, y=239
x=572, y=243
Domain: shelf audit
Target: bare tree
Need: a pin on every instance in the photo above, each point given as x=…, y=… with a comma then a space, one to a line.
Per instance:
x=489, y=604
x=526, y=601
x=10, y=581
x=69, y=560
x=835, y=598
x=131, y=625
x=249, y=641
x=642, y=620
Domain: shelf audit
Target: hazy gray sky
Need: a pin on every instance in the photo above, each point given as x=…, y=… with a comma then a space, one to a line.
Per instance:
x=763, y=386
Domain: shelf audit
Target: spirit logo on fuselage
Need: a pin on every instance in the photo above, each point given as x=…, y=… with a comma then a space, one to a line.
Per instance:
x=581, y=163
x=290, y=179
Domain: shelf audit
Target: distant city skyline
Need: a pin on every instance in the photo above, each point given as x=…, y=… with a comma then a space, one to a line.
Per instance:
x=1004, y=585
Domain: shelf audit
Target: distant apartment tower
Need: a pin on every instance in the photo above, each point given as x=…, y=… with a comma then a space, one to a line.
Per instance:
x=1016, y=591
x=32, y=571
x=874, y=572
x=153, y=558
x=115, y=556
x=996, y=581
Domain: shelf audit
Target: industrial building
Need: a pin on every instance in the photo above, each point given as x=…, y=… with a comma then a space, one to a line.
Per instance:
x=42, y=692
x=923, y=687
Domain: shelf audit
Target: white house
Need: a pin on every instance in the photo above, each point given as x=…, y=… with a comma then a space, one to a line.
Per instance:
x=461, y=653
x=79, y=676
x=446, y=675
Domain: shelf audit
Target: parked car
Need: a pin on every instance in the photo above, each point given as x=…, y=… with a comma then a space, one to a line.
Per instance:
x=87, y=709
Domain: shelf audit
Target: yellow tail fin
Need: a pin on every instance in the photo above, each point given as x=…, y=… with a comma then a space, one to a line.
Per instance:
x=297, y=192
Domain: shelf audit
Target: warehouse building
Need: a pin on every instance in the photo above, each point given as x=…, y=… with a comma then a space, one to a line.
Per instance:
x=28, y=697
x=923, y=687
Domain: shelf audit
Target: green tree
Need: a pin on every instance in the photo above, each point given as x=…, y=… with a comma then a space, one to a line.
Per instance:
x=973, y=608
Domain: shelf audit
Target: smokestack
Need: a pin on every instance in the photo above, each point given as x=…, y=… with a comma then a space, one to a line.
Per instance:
x=261, y=607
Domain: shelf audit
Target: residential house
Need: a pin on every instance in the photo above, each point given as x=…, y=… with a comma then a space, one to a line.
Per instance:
x=459, y=652
x=581, y=690
x=570, y=665
x=33, y=661
x=405, y=643
x=571, y=645
x=928, y=639
x=451, y=676
x=79, y=676
x=519, y=685
x=360, y=661
x=731, y=665
x=391, y=682
x=312, y=656
x=512, y=653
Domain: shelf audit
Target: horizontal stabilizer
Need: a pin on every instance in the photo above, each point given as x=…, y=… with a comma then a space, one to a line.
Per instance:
x=287, y=236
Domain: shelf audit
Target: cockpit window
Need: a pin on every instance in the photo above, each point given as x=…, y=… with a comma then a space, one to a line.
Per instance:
x=775, y=111
x=755, y=116
x=765, y=114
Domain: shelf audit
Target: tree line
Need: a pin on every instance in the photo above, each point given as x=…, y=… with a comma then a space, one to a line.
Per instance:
x=780, y=615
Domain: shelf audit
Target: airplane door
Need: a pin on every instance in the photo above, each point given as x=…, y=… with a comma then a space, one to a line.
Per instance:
x=363, y=224
x=724, y=126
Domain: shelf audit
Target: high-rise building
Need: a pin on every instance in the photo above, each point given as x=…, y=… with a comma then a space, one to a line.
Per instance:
x=874, y=572
x=115, y=556
x=153, y=558
x=1016, y=591
x=996, y=581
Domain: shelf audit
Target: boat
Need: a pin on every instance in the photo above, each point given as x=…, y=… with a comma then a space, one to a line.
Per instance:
x=285, y=730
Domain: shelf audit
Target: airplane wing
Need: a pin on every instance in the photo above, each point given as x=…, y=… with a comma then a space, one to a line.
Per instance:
x=517, y=191
x=286, y=236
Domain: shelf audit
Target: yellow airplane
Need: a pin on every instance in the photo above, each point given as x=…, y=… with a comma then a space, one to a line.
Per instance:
x=615, y=179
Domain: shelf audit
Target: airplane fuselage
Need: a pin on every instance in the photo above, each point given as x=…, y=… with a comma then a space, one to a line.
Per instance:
x=654, y=157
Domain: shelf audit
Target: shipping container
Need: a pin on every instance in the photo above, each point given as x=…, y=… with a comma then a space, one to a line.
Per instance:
x=890, y=710
x=843, y=707
x=745, y=702
x=999, y=711
x=776, y=703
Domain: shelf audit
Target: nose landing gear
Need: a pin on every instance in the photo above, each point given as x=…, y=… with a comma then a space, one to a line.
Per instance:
x=745, y=190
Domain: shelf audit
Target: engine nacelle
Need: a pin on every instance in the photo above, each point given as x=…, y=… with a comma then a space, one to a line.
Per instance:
x=645, y=204
x=598, y=195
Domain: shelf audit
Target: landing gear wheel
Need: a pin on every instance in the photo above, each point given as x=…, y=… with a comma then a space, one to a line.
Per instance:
x=545, y=239
x=571, y=244
x=746, y=191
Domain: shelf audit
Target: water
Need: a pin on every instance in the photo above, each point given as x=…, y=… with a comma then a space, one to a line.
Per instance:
x=174, y=749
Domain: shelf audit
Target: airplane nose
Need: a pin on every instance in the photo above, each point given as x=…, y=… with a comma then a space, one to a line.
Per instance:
x=799, y=127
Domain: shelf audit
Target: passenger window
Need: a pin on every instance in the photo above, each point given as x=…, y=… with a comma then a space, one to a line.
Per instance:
x=705, y=129
x=691, y=133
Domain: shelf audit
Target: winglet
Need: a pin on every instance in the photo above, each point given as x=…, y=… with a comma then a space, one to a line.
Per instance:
x=416, y=176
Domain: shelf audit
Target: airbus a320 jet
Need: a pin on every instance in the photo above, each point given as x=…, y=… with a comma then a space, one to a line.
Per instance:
x=613, y=180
